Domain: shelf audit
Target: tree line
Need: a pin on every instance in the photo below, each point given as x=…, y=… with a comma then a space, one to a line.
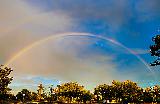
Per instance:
x=72, y=92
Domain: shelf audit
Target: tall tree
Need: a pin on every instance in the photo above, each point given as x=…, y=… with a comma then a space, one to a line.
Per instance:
x=5, y=80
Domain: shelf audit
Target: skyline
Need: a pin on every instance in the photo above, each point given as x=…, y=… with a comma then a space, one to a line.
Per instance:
x=130, y=23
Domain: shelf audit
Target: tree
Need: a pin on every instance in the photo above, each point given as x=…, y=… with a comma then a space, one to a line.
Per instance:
x=104, y=92
x=155, y=50
x=5, y=80
x=117, y=89
x=34, y=96
x=148, y=95
x=70, y=92
x=156, y=92
x=131, y=92
x=127, y=91
x=24, y=95
x=85, y=96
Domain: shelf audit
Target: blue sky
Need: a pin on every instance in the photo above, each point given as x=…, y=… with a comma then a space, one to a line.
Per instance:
x=87, y=60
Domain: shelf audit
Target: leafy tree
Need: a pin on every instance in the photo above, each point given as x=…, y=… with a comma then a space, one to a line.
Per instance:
x=155, y=50
x=117, y=89
x=148, y=95
x=104, y=92
x=85, y=96
x=126, y=91
x=156, y=92
x=24, y=95
x=5, y=80
x=19, y=96
x=69, y=92
x=34, y=96
x=131, y=92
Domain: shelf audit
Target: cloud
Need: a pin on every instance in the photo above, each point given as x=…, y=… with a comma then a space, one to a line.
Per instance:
x=21, y=25
x=67, y=59
x=114, y=14
x=70, y=59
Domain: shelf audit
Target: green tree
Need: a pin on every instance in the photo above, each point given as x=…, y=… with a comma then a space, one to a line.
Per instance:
x=156, y=92
x=85, y=96
x=69, y=92
x=117, y=90
x=104, y=92
x=5, y=80
x=127, y=91
x=24, y=95
x=131, y=91
x=34, y=96
x=148, y=95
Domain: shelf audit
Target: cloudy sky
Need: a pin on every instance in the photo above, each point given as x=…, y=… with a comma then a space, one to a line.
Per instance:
x=91, y=42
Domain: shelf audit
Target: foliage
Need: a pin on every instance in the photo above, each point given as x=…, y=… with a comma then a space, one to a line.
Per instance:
x=71, y=92
x=156, y=93
x=4, y=79
x=122, y=92
x=104, y=92
x=155, y=50
x=24, y=95
x=148, y=95
x=34, y=96
x=126, y=91
x=131, y=92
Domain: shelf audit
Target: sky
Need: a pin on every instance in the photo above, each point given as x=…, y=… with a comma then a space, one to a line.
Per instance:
x=90, y=42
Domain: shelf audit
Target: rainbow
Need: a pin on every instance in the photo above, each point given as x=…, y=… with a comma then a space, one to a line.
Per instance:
x=55, y=36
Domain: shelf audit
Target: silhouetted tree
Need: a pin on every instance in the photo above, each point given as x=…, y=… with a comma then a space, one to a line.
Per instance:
x=85, y=96
x=5, y=80
x=24, y=95
x=155, y=50
x=156, y=92
x=148, y=95
x=34, y=96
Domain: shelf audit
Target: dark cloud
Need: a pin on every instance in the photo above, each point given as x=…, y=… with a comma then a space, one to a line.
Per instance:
x=114, y=13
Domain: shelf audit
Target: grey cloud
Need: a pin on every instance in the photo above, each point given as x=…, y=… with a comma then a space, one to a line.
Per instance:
x=21, y=25
x=114, y=13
